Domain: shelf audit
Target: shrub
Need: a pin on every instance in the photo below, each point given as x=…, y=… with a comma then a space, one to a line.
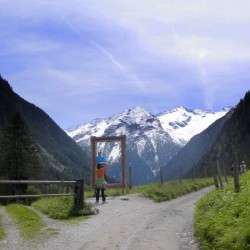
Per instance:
x=61, y=207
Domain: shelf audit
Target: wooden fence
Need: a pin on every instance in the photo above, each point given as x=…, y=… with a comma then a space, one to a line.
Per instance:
x=78, y=190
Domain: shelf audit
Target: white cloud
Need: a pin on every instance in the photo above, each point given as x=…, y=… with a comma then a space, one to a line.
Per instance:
x=154, y=51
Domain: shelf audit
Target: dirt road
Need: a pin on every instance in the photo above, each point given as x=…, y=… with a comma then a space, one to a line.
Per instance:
x=127, y=223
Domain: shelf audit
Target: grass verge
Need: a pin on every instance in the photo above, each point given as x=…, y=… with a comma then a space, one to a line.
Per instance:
x=165, y=192
x=61, y=208
x=222, y=218
x=172, y=189
x=28, y=222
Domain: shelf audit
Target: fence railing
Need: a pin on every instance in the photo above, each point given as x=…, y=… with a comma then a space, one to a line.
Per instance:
x=78, y=190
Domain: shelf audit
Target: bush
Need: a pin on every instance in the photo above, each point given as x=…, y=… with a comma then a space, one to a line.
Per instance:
x=61, y=207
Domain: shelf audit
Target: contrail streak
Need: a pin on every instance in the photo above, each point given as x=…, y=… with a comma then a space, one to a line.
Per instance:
x=109, y=55
x=132, y=76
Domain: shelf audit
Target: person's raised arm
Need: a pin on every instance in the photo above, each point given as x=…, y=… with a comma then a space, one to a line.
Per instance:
x=106, y=165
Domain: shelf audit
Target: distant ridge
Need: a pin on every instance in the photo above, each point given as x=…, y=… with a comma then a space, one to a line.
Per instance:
x=182, y=123
x=62, y=158
x=195, y=150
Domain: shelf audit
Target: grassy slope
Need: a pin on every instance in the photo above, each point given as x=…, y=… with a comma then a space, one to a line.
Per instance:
x=222, y=218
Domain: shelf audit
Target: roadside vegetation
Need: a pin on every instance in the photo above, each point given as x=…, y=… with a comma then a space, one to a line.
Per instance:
x=171, y=190
x=158, y=193
x=222, y=217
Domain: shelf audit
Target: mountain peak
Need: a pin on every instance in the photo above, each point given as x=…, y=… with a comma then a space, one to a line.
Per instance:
x=134, y=115
x=137, y=111
x=5, y=86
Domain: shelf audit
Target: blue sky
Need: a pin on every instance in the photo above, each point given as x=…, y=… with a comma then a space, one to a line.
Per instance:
x=84, y=59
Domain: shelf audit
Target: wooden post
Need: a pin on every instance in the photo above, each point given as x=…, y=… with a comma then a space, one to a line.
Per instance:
x=79, y=194
x=130, y=177
x=236, y=171
x=180, y=173
x=123, y=144
x=219, y=173
x=225, y=173
x=193, y=173
x=161, y=176
x=215, y=176
x=236, y=178
x=93, y=149
x=205, y=170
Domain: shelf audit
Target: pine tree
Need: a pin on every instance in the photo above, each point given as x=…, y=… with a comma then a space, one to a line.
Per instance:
x=18, y=155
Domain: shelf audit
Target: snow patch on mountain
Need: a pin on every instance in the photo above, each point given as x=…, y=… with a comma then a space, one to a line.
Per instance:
x=84, y=132
x=182, y=124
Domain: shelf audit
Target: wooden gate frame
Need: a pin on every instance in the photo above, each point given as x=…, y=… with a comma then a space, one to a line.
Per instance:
x=121, y=139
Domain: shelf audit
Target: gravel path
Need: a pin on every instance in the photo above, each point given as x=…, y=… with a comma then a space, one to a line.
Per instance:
x=126, y=223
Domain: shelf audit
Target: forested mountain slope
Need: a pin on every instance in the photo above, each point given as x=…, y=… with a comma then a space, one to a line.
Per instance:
x=233, y=143
x=194, y=150
x=61, y=157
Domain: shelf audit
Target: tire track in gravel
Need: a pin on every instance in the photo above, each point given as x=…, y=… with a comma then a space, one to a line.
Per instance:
x=12, y=238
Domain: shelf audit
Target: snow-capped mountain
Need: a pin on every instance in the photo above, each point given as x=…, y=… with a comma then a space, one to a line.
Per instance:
x=182, y=124
x=151, y=140
x=148, y=146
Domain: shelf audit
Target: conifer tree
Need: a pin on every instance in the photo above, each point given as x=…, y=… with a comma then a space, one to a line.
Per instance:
x=18, y=155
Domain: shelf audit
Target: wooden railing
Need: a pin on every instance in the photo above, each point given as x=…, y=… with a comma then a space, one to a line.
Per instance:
x=78, y=190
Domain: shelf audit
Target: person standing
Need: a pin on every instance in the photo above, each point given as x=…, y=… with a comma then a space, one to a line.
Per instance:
x=243, y=168
x=100, y=158
x=100, y=184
